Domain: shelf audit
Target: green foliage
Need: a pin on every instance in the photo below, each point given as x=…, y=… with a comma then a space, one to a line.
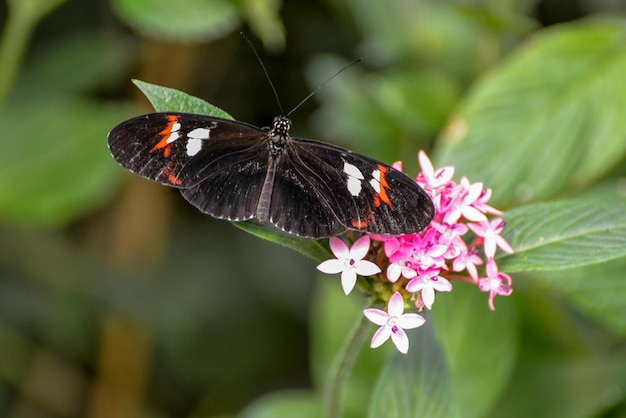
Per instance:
x=54, y=165
x=564, y=234
x=186, y=20
x=62, y=171
x=284, y=404
x=547, y=122
x=415, y=386
x=480, y=347
x=201, y=20
x=165, y=99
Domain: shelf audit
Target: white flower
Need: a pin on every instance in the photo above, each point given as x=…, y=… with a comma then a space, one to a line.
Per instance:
x=349, y=262
x=393, y=323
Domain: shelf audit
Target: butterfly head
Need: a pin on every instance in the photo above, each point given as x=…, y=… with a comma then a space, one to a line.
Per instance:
x=279, y=133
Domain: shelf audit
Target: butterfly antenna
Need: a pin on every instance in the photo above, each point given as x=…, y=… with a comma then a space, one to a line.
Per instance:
x=356, y=61
x=256, y=54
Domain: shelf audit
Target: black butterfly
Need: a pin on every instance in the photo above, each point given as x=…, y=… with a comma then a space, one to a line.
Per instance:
x=235, y=171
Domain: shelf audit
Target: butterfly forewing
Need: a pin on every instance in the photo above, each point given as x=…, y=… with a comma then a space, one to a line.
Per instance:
x=182, y=149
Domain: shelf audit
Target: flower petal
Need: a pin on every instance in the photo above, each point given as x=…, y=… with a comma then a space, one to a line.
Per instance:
x=504, y=245
x=473, y=214
x=395, y=307
x=332, y=266
x=440, y=284
x=428, y=296
x=474, y=192
x=490, y=245
x=348, y=280
x=393, y=272
x=410, y=321
x=380, y=336
x=415, y=285
x=366, y=268
x=425, y=164
x=360, y=248
x=400, y=340
x=339, y=248
x=376, y=316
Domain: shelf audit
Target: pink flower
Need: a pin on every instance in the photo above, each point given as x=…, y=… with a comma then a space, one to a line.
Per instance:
x=433, y=179
x=349, y=262
x=481, y=203
x=399, y=252
x=467, y=261
x=495, y=283
x=426, y=284
x=402, y=267
x=428, y=253
x=490, y=231
x=451, y=236
x=393, y=323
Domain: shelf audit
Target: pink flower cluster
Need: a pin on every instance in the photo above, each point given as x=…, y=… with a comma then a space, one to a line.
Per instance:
x=416, y=266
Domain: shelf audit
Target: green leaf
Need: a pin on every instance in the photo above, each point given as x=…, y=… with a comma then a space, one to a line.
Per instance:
x=54, y=164
x=100, y=59
x=416, y=384
x=306, y=246
x=547, y=120
x=564, y=234
x=480, y=345
x=284, y=404
x=388, y=114
x=598, y=290
x=582, y=387
x=180, y=21
x=165, y=99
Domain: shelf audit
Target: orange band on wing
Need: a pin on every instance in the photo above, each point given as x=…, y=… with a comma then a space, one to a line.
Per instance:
x=382, y=194
x=165, y=135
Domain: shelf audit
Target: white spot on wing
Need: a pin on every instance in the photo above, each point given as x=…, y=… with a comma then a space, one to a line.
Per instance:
x=352, y=171
x=200, y=133
x=375, y=181
x=196, y=137
x=173, y=137
x=354, y=178
x=194, y=145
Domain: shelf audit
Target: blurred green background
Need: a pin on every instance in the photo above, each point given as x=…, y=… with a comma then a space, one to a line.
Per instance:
x=117, y=298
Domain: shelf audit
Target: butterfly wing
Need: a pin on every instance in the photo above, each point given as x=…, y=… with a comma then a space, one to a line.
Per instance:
x=322, y=190
x=232, y=193
x=218, y=164
x=182, y=149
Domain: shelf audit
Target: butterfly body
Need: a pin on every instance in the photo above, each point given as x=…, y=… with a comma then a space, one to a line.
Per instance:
x=235, y=171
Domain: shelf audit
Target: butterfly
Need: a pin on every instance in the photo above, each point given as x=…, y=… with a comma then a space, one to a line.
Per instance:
x=236, y=171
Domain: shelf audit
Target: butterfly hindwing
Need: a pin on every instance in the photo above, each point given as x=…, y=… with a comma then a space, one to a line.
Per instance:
x=231, y=193
x=303, y=201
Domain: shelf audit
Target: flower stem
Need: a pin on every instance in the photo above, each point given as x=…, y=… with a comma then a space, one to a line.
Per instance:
x=342, y=367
